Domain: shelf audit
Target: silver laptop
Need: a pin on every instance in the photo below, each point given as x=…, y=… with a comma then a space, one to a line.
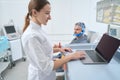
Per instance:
x=104, y=51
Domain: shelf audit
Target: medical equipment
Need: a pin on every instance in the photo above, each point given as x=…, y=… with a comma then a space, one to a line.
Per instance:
x=10, y=32
x=114, y=30
x=14, y=38
x=4, y=55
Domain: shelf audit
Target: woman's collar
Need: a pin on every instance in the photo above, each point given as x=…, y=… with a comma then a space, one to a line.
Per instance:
x=35, y=25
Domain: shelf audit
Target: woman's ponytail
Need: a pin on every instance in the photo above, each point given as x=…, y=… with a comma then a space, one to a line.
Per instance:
x=33, y=4
x=27, y=22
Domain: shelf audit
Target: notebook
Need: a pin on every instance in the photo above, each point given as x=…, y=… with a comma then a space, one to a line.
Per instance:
x=104, y=51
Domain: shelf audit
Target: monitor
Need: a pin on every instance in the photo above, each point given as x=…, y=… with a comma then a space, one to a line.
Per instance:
x=10, y=32
x=10, y=29
x=114, y=30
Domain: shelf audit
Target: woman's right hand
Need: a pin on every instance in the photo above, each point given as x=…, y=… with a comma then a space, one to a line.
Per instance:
x=78, y=55
x=71, y=56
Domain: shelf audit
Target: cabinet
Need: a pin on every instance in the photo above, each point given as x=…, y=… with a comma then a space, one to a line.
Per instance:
x=16, y=49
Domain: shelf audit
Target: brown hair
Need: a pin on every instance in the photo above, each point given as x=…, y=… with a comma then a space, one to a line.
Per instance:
x=33, y=4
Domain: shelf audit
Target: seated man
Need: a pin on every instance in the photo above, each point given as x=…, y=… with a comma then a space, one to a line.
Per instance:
x=79, y=30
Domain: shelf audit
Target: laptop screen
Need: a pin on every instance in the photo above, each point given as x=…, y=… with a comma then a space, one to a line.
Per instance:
x=107, y=46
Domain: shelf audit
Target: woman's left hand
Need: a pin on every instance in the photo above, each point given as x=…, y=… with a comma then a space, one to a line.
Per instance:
x=65, y=50
x=57, y=45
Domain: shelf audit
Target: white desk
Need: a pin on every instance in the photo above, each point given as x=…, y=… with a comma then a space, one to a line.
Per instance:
x=76, y=70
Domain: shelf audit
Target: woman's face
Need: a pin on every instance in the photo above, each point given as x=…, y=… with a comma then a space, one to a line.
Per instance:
x=42, y=16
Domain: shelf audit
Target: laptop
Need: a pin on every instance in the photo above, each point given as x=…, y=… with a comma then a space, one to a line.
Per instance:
x=103, y=52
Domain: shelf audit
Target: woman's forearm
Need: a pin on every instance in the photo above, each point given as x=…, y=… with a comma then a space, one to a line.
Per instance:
x=58, y=63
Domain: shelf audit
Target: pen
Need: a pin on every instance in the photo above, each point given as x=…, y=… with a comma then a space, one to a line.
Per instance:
x=60, y=45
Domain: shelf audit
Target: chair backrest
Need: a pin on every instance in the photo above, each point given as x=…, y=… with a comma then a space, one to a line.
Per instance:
x=93, y=37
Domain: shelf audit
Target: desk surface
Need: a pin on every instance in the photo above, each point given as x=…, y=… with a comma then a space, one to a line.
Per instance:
x=76, y=70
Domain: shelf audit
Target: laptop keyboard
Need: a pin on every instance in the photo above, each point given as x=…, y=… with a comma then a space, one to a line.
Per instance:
x=94, y=56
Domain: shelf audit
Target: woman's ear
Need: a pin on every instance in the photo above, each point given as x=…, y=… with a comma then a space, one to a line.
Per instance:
x=34, y=12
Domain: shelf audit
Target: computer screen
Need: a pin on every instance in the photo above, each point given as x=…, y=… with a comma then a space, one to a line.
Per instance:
x=9, y=29
x=10, y=32
x=114, y=30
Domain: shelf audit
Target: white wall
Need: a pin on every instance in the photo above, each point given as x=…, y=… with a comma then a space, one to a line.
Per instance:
x=65, y=13
x=13, y=9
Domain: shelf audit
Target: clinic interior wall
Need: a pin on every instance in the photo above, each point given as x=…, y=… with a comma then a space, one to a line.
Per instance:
x=13, y=9
x=65, y=13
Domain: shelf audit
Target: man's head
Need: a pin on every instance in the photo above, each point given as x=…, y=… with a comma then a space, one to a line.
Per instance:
x=79, y=29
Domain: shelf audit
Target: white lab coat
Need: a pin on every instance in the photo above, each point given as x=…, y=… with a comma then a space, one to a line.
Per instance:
x=39, y=52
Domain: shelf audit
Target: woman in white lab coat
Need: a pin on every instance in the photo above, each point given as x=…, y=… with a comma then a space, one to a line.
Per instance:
x=37, y=46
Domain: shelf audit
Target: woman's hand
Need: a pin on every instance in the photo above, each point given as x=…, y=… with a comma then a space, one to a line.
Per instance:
x=57, y=45
x=78, y=55
x=65, y=50
x=58, y=48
